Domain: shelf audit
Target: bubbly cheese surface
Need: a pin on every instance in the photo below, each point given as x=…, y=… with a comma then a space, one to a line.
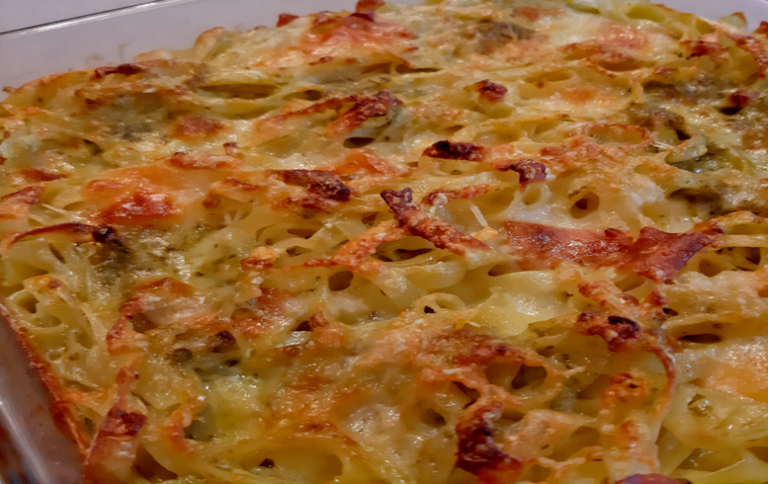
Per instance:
x=474, y=241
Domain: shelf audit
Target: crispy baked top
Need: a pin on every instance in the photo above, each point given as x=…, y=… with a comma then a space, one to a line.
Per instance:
x=471, y=241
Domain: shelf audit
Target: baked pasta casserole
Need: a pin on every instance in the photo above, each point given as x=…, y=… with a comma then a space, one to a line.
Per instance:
x=473, y=241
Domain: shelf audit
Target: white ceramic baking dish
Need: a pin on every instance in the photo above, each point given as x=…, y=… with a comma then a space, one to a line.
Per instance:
x=117, y=36
x=45, y=456
x=22, y=14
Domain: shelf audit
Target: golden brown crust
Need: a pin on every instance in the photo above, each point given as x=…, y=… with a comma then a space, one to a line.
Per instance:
x=365, y=108
x=655, y=254
x=358, y=109
x=489, y=91
x=659, y=255
x=318, y=182
x=529, y=171
x=121, y=69
x=270, y=305
x=478, y=452
x=617, y=331
x=416, y=222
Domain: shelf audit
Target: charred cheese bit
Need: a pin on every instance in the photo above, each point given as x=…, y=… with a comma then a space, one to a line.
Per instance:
x=363, y=110
x=353, y=254
x=416, y=222
x=134, y=197
x=489, y=91
x=318, y=182
x=478, y=453
x=528, y=170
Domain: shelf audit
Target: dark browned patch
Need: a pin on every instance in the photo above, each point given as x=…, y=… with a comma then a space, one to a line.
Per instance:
x=232, y=149
x=478, y=453
x=119, y=423
x=490, y=91
x=365, y=108
x=530, y=171
x=655, y=254
x=474, y=349
x=319, y=182
x=417, y=222
x=223, y=342
x=361, y=108
x=107, y=235
x=659, y=255
x=742, y=97
x=285, y=19
x=322, y=60
x=617, y=331
x=449, y=150
x=739, y=100
x=122, y=69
